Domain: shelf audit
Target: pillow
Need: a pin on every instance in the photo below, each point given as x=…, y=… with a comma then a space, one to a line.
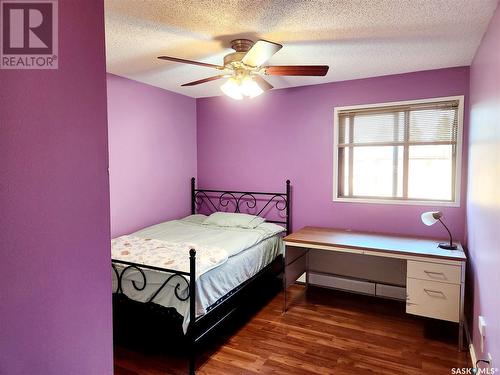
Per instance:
x=272, y=228
x=196, y=218
x=229, y=219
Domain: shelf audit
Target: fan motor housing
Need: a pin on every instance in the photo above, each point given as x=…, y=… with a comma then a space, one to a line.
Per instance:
x=241, y=46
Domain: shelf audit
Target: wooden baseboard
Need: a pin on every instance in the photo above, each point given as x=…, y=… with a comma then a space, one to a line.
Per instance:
x=472, y=350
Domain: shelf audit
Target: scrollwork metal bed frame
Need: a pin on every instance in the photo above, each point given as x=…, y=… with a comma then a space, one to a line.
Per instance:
x=213, y=201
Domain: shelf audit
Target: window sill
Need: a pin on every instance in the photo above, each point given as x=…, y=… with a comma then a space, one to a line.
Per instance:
x=397, y=202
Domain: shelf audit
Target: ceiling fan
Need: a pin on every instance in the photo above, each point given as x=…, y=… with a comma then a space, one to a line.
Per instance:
x=244, y=68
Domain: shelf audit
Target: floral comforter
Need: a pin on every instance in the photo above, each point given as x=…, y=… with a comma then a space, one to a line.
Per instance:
x=164, y=254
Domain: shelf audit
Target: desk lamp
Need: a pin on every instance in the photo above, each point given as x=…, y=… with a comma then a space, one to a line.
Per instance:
x=431, y=218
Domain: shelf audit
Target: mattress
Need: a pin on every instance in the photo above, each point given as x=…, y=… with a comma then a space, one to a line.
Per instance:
x=210, y=286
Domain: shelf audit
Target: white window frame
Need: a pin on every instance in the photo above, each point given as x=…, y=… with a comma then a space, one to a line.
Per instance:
x=398, y=201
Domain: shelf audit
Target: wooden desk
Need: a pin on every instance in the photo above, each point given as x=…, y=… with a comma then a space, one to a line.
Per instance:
x=435, y=277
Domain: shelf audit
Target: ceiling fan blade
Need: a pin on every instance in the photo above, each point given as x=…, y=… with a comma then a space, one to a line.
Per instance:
x=175, y=59
x=297, y=70
x=260, y=52
x=194, y=83
x=263, y=84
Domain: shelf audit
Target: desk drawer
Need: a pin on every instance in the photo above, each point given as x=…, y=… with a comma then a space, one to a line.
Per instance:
x=444, y=273
x=433, y=299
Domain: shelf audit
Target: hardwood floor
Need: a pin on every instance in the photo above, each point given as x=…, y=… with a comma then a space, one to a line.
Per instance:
x=323, y=332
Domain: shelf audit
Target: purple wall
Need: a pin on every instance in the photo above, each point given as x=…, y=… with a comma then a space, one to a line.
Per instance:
x=258, y=143
x=152, y=154
x=55, y=298
x=483, y=200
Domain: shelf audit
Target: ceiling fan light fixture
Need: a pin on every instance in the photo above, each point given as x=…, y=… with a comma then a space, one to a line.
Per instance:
x=245, y=68
x=232, y=89
x=238, y=88
x=250, y=88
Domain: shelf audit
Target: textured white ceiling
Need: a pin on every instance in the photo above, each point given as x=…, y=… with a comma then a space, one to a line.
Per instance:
x=356, y=38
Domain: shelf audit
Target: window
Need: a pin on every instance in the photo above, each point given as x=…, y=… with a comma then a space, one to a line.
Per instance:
x=405, y=152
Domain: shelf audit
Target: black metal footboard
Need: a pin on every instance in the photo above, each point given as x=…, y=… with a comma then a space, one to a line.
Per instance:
x=174, y=274
x=216, y=314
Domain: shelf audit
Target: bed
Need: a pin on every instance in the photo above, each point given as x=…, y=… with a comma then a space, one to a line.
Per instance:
x=154, y=268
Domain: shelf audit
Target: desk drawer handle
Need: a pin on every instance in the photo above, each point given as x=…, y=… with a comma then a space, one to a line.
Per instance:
x=430, y=273
x=433, y=293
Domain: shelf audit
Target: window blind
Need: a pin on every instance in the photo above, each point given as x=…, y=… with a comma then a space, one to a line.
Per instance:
x=429, y=123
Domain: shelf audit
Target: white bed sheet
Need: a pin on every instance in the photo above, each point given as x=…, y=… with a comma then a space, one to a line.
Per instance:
x=210, y=286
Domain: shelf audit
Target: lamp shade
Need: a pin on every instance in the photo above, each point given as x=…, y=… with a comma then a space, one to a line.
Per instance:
x=232, y=89
x=239, y=87
x=250, y=88
x=431, y=217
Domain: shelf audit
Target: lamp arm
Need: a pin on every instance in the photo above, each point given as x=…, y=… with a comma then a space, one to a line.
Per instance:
x=449, y=233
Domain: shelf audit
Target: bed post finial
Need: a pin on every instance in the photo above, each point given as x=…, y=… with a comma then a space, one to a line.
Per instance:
x=193, y=198
x=288, y=217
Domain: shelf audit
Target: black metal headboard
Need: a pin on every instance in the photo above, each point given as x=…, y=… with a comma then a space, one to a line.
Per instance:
x=274, y=206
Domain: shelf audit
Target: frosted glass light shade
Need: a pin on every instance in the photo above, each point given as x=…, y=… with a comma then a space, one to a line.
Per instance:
x=250, y=88
x=232, y=89
x=237, y=88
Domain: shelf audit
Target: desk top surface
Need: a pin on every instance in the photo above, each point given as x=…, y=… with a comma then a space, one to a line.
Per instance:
x=413, y=246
